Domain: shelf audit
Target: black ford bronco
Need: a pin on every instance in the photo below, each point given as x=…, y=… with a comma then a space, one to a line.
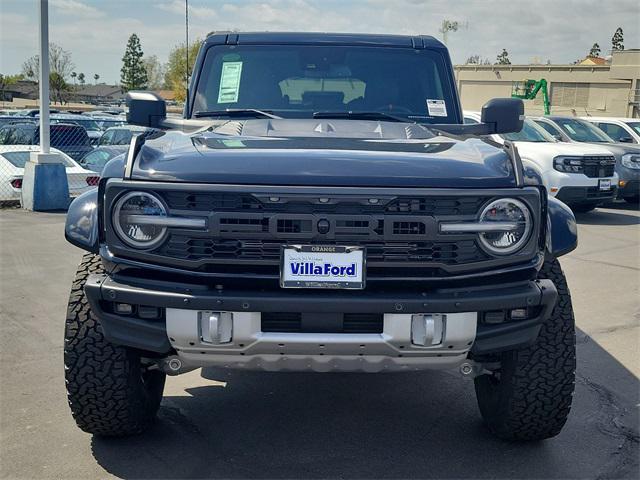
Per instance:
x=320, y=207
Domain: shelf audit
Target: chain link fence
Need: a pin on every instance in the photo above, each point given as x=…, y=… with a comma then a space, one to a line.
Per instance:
x=83, y=143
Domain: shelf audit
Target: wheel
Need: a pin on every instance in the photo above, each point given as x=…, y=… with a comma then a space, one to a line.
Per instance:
x=108, y=389
x=529, y=396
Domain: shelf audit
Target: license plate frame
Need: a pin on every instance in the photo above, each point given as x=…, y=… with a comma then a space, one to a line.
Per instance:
x=310, y=256
x=604, y=184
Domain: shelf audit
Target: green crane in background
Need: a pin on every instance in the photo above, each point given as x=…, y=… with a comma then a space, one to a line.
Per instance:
x=528, y=90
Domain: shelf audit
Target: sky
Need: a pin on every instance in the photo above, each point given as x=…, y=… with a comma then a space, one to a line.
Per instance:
x=96, y=31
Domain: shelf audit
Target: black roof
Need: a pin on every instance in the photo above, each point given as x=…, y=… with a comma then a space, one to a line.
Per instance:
x=315, y=38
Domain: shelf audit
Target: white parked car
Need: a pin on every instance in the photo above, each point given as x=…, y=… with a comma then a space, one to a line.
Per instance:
x=580, y=175
x=624, y=130
x=12, y=162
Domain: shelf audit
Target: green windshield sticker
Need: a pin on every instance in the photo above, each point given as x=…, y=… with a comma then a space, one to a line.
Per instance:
x=230, y=82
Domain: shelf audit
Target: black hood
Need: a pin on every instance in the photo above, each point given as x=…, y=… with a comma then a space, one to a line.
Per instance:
x=323, y=153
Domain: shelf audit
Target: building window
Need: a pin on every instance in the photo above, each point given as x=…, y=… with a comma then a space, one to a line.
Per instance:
x=564, y=94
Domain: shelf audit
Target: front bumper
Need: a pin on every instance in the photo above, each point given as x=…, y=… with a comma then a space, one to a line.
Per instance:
x=586, y=195
x=629, y=182
x=177, y=331
x=629, y=189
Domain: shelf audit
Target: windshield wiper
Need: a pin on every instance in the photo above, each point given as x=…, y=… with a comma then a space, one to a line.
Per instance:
x=361, y=116
x=236, y=112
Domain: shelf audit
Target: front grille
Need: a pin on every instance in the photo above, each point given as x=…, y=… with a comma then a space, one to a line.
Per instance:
x=296, y=322
x=188, y=248
x=395, y=230
x=600, y=166
x=246, y=228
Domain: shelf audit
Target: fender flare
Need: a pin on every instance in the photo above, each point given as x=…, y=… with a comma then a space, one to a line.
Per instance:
x=562, y=229
x=532, y=173
x=81, y=225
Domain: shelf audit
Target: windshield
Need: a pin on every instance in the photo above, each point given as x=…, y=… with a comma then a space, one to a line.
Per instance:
x=531, y=132
x=635, y=126
x=19, y=159
x=295, y=81
x=581, y=131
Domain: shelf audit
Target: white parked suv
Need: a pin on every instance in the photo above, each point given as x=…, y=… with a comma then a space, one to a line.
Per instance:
x=581, y=175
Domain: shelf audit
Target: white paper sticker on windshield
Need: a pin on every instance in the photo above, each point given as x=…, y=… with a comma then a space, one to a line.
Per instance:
x=230, y=82
x=437, y=108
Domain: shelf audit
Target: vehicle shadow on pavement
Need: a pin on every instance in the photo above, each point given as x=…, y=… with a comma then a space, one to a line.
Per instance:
x=411, y=425
x=602, y=217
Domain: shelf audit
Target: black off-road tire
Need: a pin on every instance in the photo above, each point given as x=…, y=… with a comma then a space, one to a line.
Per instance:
x=109, y=391
x=530, y=397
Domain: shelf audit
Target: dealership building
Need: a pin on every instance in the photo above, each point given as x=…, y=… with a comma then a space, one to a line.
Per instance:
x=600, y=88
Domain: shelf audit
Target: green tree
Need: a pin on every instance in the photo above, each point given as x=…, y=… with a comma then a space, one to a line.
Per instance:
x=81, y=79
x=59, y=87
x=155, y=72
x=133, y=75
x=617, y=40
x=503, y=58
x=176, y=71
x=595, y=51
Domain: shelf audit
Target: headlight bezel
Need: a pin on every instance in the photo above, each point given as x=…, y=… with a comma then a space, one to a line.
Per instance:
x=563, y=164
x=120, y=233
x=627, y=161
x=519, y=244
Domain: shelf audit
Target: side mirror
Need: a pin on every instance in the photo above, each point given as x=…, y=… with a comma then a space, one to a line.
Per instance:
x=626, y=140
x=504, y=115
x=146, y=109
x=558, y=137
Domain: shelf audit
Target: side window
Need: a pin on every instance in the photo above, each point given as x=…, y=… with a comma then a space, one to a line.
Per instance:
x=122, y=137
x=88, y=159
x=4, y=132
x=96, y=158
x=470, y=121
x=549, y=128
x=11, y=136
x=614, y=131
x=24, y=136
x=106, y=138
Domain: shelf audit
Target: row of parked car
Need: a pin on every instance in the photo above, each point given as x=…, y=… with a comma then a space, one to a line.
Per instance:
x=85, y=143
x=584, y=162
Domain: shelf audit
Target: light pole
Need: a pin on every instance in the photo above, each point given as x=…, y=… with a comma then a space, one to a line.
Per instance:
x=44, y=185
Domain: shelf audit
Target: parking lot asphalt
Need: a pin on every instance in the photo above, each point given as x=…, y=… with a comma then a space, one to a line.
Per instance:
x=216, y=424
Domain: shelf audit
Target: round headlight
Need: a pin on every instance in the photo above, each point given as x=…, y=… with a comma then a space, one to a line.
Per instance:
x=137, y=218
x=506, y=211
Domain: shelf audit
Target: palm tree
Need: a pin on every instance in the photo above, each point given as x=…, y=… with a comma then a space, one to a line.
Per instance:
x=81, y=78
x=96, y=77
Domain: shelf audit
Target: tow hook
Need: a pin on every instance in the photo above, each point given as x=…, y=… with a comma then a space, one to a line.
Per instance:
x=172, y=365
x=472, y=369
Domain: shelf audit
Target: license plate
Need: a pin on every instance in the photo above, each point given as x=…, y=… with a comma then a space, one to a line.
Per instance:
x=322, y=266
x=604, y=184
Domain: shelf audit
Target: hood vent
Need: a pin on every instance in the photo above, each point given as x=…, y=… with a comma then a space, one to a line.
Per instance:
x=304, y=128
